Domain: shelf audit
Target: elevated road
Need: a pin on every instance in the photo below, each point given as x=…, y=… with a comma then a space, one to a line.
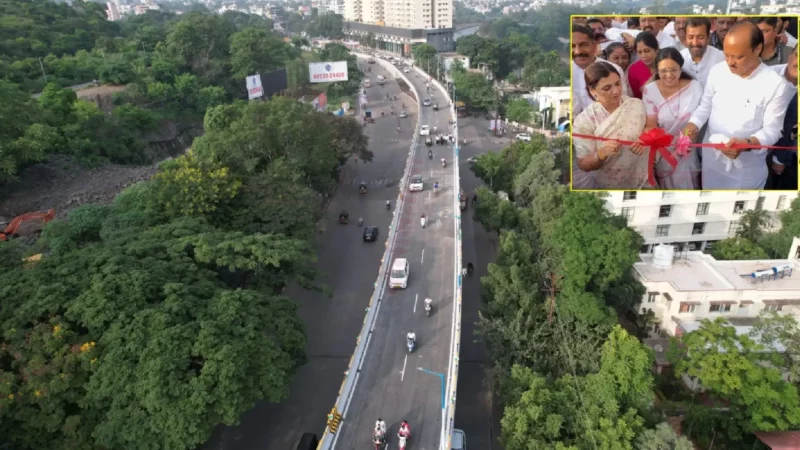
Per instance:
x=390, y=384
x=349, y=267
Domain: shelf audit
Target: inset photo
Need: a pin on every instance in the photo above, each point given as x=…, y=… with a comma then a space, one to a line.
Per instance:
x=684, y=103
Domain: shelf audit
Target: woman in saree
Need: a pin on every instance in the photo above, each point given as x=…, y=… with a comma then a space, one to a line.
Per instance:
x=613, y=116
x=641, y=71
x=670, y=99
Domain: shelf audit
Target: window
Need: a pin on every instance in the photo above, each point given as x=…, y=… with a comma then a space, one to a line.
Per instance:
x=651, y=297
x=627, y=213
x=662, y=230
x=699, y=228
x=667, y=195
x=734, y=227
x=738, y=207
x=720, y=308
x=665, y=211
x=781, y=202
x=629, y=195
x=702, y=209
x=760, y=203
x=688, y=307
x=773, y=308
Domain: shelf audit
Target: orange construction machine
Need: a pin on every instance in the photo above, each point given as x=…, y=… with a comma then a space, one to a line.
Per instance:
x=26, y=224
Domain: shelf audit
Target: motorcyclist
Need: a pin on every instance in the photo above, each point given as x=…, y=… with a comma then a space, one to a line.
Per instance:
x=411, y=337
x=428, y=304
x=388, y=204
x=434, y=128
x=470, y=267
x=430, y=154
x=405, y=430
x=398, y=129
x=380, y=427
x=436, y=187
x=444, y=163
x=360, y=221
x=423, y=220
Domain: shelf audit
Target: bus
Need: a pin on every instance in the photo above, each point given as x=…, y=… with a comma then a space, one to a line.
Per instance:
x=461, y=109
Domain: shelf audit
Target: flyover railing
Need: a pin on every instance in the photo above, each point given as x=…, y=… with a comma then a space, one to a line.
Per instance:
x=448, y=414
x=339, y=412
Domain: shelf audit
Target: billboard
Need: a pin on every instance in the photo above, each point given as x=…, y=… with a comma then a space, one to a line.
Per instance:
x=254, y=89
x=274, y=82
x=326, y=72
x=320, y=104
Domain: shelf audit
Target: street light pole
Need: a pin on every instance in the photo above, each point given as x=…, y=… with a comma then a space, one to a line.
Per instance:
x=42, y=67
x=441, y=378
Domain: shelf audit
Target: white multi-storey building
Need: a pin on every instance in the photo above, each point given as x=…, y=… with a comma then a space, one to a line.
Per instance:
x=691, y=220
x=406, y=14
x=684, y=288
x=353, y=10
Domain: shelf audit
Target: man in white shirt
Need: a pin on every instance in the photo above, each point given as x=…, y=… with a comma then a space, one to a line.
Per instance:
x=699, y=57
x=746, y=102
x=584, y=49
x=655, y=26
x=789, y=76
x=680, y=33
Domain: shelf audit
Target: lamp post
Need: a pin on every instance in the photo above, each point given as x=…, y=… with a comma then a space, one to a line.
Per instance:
x=441, y=378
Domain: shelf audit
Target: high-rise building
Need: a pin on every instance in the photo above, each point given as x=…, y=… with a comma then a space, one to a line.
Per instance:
x=692, y=220
x=398, y=24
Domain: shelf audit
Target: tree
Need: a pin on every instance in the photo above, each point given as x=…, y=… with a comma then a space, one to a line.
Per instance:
x=519, y=110
x=775, y=329
x=742, y=372
x=255, y=51
x=475, y=90
x=423, y=54
x=753, y=223
x=17, y=135
x=737, y=248
x=188, y=187
x=662, y=437
x=200, y=43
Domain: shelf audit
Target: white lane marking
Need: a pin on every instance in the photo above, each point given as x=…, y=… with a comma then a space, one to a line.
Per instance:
x=423, y=257
x=403, y=372
x=416, y=297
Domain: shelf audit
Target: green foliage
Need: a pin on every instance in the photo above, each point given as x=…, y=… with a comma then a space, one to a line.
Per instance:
x=474, y=90
x=519, y=110
x=23, y=141
x=329, y=26
x=662, y=437
x=256, y=51
x=740, y=371
x=737, y=248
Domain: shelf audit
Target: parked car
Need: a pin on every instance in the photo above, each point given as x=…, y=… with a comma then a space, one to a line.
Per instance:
x=524, y=137
x=424, y=130
x=370, y=234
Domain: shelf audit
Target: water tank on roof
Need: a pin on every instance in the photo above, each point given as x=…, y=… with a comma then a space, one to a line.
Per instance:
x=663, y=255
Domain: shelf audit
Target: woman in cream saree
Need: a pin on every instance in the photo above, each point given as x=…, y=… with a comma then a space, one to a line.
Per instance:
x=625, y=170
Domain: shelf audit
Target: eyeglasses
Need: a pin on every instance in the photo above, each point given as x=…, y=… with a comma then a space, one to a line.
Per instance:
x=669, y=71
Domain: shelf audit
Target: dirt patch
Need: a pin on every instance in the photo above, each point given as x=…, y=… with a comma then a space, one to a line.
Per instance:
x=91, y=92
x=63, y=184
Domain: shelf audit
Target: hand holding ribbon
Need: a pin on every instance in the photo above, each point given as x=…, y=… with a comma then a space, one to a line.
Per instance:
x=658, y=140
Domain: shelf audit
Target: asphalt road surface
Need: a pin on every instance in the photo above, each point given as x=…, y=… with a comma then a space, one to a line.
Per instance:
x=390, y=385
x=351, y=268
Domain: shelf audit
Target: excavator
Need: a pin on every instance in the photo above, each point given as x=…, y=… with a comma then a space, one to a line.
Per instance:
x=26, y=224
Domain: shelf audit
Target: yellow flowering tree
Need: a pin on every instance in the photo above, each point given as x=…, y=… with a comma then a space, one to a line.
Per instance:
x=187, y=186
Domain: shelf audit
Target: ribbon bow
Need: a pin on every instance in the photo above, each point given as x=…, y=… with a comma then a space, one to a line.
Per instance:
x=658, y=140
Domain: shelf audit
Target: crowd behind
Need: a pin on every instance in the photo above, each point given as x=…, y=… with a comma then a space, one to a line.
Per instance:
x=725, y=80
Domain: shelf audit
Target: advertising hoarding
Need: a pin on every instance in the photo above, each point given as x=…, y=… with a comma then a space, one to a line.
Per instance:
x=254, y=88
x=327, y=72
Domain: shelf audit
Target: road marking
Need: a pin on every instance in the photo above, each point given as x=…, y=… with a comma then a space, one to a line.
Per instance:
x=403, y=372
x=416, y=297
x=423, y=257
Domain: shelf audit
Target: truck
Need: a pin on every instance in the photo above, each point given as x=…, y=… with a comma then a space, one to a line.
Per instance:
x=462, y=199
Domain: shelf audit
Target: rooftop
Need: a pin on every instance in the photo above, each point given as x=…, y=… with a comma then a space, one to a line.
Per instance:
x=696, y=271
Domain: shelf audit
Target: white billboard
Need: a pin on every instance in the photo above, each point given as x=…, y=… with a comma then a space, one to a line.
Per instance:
x=326, y=72
x=254, y=88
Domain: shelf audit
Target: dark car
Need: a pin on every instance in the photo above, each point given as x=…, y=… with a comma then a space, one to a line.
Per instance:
x=309, y=441
x=370, y=234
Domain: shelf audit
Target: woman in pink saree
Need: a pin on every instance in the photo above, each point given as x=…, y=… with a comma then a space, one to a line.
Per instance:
x=612, y=116
x=670, y=99
x=642, y=70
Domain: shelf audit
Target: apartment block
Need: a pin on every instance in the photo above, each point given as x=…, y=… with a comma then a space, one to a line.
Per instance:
x=692, y=220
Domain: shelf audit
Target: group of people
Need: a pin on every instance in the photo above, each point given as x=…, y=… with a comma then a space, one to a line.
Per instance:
x=703, y=81
x=379, y=434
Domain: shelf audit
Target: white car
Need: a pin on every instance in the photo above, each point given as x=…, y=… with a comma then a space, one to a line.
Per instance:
x=406, y=70
x=426, y=102
x=472, y=160
x=403, y=114
x=524, y=137
x=424, y=130
x=416, y=184
x=398, y=277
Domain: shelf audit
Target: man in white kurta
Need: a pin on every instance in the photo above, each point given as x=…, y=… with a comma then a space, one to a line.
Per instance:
x=699, y=57
x=584, y=49
x=745, y=101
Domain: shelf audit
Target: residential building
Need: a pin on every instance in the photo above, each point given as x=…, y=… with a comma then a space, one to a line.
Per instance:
x=112, y=11
x=557, y=98
x=683, y=288
x=692, y=220
x=398, y=24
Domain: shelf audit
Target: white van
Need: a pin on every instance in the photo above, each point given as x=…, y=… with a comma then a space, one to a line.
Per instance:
x=366, y=83
x=381, y=79
x=459, y=440
x=398, y=277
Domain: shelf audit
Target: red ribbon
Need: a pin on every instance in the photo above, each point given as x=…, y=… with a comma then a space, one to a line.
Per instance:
x=658, y=141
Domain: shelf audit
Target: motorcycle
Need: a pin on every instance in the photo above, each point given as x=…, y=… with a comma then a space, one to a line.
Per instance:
x=430, y=154
x=360, y=221
x=401, y=443
x=444, y=163
x=411, y=344
x=423, y=221
x=379, y=441
x=428, y=309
